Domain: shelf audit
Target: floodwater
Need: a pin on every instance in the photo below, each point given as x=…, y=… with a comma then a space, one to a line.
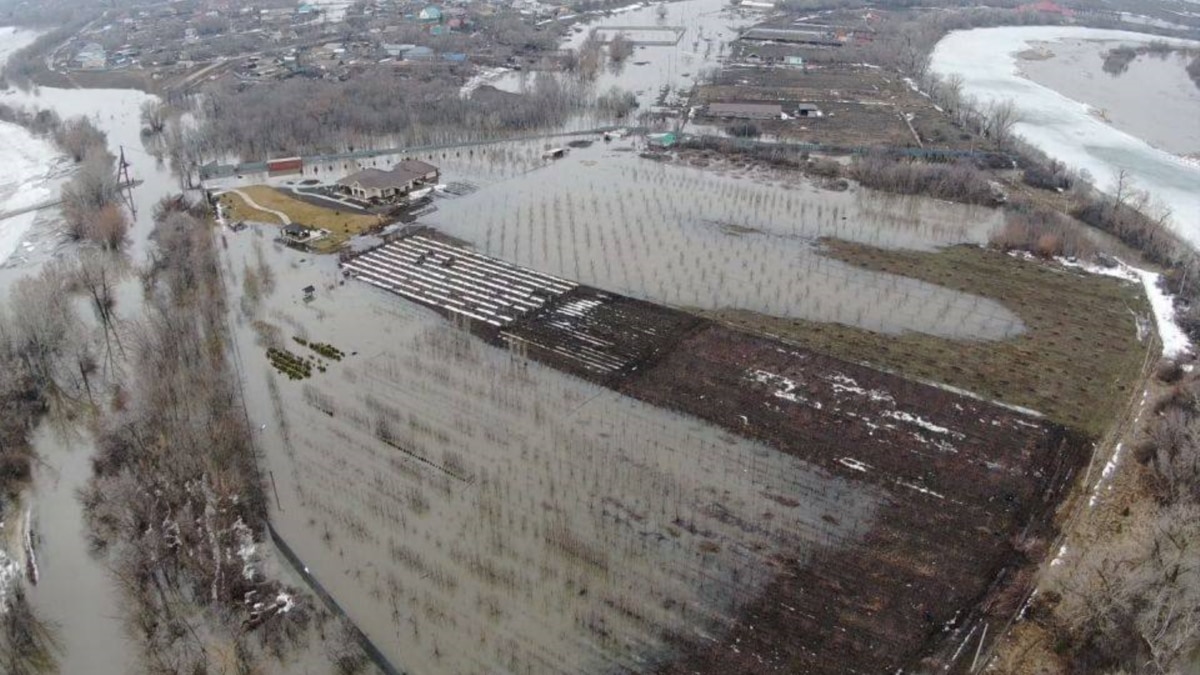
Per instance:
x=1065, y=128
x=1076, y=70
x=30, y=171
x=477, y=513
x=75, y=589
x=710, y=239
x=709, y=27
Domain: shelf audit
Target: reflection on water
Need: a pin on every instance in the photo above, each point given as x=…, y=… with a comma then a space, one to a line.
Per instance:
x=689, y=237
x=477, y=513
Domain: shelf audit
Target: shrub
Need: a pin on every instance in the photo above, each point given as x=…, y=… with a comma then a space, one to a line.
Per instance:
x=1044, y=233
x=959, y=182
x=743, y=130
x=824, y=167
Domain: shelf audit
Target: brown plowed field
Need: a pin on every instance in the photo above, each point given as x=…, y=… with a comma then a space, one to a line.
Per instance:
x=967, y=479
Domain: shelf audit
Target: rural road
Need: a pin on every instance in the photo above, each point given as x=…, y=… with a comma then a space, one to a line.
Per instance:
x=255, y=205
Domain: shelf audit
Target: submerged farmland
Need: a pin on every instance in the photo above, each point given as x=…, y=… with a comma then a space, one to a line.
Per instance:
x=701, y=239
x=570, y=479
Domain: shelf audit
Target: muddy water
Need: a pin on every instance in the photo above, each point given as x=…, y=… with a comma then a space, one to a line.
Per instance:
x=519, y=520
x=708, y=239
x=1076, y=70
x=75, y=592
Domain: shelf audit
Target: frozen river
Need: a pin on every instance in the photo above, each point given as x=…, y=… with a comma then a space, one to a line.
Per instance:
x=1067, y=128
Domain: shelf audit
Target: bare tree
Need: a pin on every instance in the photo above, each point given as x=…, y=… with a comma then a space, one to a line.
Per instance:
x=591, y=58
x=78, y=136
x=97, y=275
x=1000, y=118
x=43, y=326
x=620, y=48
x=154, y=117
x=93, y=187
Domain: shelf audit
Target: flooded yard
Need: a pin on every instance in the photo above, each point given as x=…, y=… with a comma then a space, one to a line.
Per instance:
x=448, y=492
x=691, y=37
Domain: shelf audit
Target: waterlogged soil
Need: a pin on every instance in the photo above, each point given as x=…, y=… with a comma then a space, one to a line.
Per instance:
x=733, y=239
x=449, y=494
x=1075, y=69
x=962, y=475
x=1076, y=363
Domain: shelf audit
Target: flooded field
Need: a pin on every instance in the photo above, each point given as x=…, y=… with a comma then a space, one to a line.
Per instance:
x=449, y=493
x=702, y=238
x=1075, y=68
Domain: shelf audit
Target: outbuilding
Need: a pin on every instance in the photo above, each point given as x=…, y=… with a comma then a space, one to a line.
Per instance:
x=746, y=111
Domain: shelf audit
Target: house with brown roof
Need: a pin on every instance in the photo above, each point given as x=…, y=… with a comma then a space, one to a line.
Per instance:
x=401, y=179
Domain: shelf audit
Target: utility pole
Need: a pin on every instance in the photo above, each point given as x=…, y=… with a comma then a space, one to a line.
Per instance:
x=125, y=182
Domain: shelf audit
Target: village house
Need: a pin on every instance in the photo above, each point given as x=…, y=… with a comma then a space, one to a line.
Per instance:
x=746, y=111
x=762, y=111
x=377, y=185
x=91, y=57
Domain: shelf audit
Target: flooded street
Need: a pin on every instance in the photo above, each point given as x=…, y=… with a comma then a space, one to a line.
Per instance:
x=1068, y=129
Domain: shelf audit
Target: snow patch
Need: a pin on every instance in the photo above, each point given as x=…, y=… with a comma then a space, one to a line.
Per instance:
x=1175, y=342
x=10, y=574
x=1110, y=468
x=923, y=423
x=851, y=463
x=842, y=383
x=785, y=388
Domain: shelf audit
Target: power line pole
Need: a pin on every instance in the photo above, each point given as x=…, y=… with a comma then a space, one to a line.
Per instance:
x=126, y=183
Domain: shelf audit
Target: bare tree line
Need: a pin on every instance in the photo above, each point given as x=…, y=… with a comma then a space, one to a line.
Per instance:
x=960, y=182
x=185, y=557
x=1131, y=604
x=301, y=116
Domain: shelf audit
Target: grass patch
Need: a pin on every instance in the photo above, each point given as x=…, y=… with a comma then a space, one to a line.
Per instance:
x=238, y=209
x=1077, y=362
x=343, y=223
